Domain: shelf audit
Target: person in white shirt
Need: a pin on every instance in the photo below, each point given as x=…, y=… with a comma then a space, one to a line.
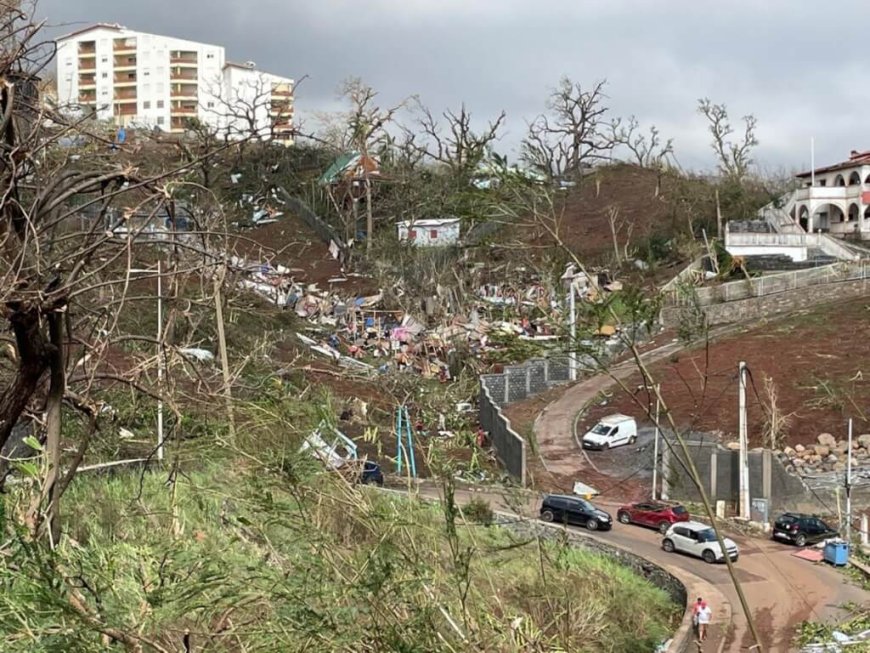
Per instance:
x=705, y=615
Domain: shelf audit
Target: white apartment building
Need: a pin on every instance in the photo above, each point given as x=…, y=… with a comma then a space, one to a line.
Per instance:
x=138, y=79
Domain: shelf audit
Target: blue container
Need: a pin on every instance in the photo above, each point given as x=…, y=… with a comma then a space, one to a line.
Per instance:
x=837, y=552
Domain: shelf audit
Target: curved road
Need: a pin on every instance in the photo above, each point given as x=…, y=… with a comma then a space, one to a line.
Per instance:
x=781, y=589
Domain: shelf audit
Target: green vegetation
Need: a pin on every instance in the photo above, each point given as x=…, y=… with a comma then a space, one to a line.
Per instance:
x=233, y=559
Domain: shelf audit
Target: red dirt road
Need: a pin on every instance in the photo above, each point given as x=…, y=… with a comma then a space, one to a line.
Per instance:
x=781, y=590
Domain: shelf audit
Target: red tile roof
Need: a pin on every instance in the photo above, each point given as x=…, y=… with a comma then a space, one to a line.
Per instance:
x=856, y=158
x=112, y=26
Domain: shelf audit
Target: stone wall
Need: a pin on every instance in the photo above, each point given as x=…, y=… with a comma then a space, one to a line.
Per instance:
x=755, y=308
x=515, y=384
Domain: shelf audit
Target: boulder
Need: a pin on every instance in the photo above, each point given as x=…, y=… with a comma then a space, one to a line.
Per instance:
x=821, y=450
x=798, y=462
x=842, y=446
x=832, y=458
x=788, y=451
x=860, y=453
x=733, y=446
x=864, y=441
x=827, y=440
x=839, y=467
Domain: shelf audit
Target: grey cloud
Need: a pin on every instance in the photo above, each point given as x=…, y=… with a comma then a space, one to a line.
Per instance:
x=797, y=66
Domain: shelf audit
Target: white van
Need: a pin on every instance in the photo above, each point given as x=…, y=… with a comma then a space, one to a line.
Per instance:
x=611, y=431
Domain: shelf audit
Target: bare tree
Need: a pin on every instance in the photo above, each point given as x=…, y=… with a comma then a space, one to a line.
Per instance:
x=573, y=133
x=454, y=143
x=366, y=128
x=734, y=157
x=647, y=150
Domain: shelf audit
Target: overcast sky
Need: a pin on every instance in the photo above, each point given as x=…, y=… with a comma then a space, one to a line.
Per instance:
x=799, y=66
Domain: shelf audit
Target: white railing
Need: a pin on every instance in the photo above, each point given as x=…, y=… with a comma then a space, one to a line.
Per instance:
x=829, y=245
x=770, y=284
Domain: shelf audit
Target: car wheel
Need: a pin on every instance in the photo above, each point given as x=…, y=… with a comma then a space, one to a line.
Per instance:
x=801, y=539
x=547, y=515
x=607, y=446
x=592, y=524
x=709, y=556
x=663, y=527
x=623, y=518
x=632, y=439
x=668, y=546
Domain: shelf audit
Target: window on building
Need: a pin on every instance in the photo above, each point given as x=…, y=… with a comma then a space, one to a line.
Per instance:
x=105, y=75
x=433, y=234
x=146, y=73
x=69, y=62
x=104, y=59
x=131, y=76
x=412, y=234
x=159, y=104
x=823, y=182
x=146, y=104
x=159, y=120
x=210, y=105
x=209, y=55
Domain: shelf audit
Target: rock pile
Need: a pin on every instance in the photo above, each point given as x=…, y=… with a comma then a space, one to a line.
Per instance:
x=828, y=454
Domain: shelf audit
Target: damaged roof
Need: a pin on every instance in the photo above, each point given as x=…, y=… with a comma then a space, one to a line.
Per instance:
x=855, y=159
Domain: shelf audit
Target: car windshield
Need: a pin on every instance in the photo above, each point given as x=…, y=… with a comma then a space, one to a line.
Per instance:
x=601, y=429
x=585, y=505
x=679, y=510
x=787, y=519
x=707, y=535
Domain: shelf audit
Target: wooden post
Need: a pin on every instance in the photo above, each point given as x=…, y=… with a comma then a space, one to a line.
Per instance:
x=222, y=344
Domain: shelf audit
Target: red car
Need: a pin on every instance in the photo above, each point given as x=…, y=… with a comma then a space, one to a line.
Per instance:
x=652, y=514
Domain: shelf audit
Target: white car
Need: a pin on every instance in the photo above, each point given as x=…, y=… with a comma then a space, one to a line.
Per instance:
x=611, y=431
x=699, y=540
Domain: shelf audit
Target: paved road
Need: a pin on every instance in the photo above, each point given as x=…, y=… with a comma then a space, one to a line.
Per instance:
x=782, y=590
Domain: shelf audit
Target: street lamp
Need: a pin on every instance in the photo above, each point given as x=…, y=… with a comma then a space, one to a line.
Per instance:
x=160, y=357
x=569, y=280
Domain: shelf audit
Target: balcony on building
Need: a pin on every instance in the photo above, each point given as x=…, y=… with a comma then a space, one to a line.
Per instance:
x=87, y=64
x=183, y=74
x=88, y=96
x=88, y=81
x=178, y=123
x=184, y=91
x=124, y=95
x=125, y=109
x=124, y=46
x=125, y=62
x=183, y=109
x=183, y=58
x=87, y=49
x=284, y=90
x=125, y=79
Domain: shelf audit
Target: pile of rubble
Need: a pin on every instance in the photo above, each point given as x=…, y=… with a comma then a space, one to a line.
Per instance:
x=827, y=455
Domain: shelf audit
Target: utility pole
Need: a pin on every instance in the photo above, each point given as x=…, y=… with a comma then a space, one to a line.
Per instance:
x=160, y=361
x=849, y=486
x=656, y=445
x=572, y=307
x=744, y=444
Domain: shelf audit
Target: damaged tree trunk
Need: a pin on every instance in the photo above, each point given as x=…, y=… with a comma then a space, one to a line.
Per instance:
x=33, y=360
x=53, y=421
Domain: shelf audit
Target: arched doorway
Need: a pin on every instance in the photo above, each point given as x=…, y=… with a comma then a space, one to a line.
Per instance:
x=839, y=181
x=804, y=217
x=855, y=179
x=854, y=212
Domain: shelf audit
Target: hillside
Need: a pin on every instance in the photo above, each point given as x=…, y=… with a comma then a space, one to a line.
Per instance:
x=650, y=208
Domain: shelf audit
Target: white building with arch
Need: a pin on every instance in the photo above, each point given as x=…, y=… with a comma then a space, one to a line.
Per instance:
x=835, y=199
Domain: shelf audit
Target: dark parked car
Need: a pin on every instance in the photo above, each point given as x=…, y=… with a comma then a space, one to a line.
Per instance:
x=371, y=474
x=565, y=509
x=801, y=529
x=652, y=514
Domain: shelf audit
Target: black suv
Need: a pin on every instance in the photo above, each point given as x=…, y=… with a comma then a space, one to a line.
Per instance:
x=801, y=529
x=574, y=510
